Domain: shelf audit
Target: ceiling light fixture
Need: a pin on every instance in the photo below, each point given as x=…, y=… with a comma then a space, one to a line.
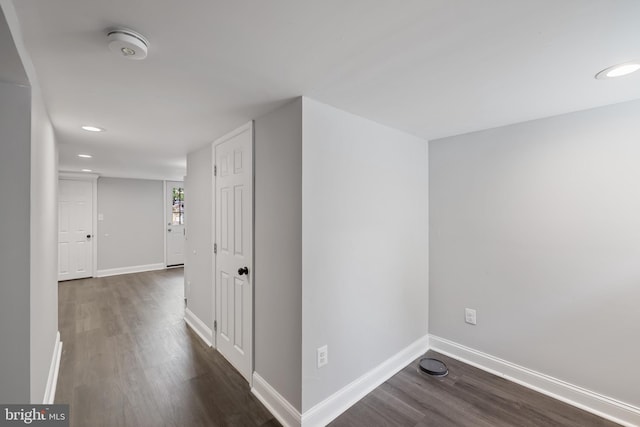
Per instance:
x=128, y=43
x=87, y=170
x=92, y=128
x=85, y=156
x=618, y=70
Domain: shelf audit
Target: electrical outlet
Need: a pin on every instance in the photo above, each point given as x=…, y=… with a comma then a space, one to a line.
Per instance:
x=470, y=316
x=323, y=356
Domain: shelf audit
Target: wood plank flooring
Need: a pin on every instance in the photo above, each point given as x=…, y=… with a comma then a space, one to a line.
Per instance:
x=466, y=397
x=130, y=360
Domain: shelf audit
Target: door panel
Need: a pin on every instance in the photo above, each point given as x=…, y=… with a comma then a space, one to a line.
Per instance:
x=75, y=229
x=233, y=231
x=238, y=220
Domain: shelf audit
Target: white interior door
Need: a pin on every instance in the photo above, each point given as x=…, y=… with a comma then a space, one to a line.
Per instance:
x=233, y=156
x=175, y=223
x=75, y=229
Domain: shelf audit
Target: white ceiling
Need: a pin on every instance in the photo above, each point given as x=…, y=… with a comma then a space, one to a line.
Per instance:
x=433, y=68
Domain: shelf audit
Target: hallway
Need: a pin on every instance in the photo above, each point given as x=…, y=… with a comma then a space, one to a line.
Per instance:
x=129, y=359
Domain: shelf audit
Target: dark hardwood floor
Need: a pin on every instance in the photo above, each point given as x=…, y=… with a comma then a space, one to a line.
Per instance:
x=130, y=360
x=466, y=397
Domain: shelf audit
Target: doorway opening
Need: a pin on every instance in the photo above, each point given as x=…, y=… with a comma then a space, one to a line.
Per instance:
x=175, y=234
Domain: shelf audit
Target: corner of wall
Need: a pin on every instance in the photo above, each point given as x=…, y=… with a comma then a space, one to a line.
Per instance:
x=365, y=197
x=278, y=247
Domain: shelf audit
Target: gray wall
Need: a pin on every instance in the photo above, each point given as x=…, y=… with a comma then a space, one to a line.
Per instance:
x=15, y=167
x=29, y=230
x=198, y=246
x=11, y=68
x=537, y=226
x=132, y=231
x=44, y=246
x=278, y=250
x=364, y=246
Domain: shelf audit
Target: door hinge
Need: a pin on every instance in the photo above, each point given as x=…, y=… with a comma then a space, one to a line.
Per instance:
x=215, y=248
x=215, y=326
x=215, y=170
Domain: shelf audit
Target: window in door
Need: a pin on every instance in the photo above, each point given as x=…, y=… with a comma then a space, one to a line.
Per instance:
x=177, y=206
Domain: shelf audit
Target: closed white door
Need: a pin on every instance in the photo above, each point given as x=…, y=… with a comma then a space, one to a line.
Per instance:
x=234, y=248
x=175, y=223
x=75, y=229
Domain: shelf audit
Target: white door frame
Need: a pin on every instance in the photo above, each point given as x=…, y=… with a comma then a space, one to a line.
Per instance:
x=224, y=138
x=93, y=178
x=164, y=221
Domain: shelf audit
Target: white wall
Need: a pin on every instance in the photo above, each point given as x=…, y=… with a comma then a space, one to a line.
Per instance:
x=15, y=242
x=28, y=232
x=278, y=250
x=44, y=246
x=364, y=246
x=131, y=233
x=537, y=226
x=198, y=246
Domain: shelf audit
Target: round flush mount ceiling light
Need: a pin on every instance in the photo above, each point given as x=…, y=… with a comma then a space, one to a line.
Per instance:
x=618, y=70
x=128, y=43
x=92, y=128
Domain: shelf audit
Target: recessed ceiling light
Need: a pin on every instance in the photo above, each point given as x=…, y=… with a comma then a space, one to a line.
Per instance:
x=92, y=129
x=85, y=156
x=619, y=70
x=87, y=170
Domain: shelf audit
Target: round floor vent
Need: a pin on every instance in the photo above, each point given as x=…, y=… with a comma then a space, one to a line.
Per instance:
x=433, y=367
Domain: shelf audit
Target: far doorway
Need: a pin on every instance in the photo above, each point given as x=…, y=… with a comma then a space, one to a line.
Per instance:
x=75, y=227
x=175, y=223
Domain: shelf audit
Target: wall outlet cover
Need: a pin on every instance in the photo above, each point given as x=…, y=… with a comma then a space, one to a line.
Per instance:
x=322, y=356
x=470, y=316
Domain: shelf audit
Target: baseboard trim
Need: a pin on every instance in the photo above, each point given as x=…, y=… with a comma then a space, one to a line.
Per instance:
x=199, y=327
x=603, y=406
x=329, y=409
x=54, y=369
x=275, y=403
x=129, y=270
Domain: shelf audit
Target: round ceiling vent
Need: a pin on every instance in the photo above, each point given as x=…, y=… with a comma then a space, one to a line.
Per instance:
x=128, y=43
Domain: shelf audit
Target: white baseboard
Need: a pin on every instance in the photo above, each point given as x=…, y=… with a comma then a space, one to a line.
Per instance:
x=603, y=406
x=131, y=269
x=326, y=411
x=52, y=381
x=275, y=403
x=199, y=327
